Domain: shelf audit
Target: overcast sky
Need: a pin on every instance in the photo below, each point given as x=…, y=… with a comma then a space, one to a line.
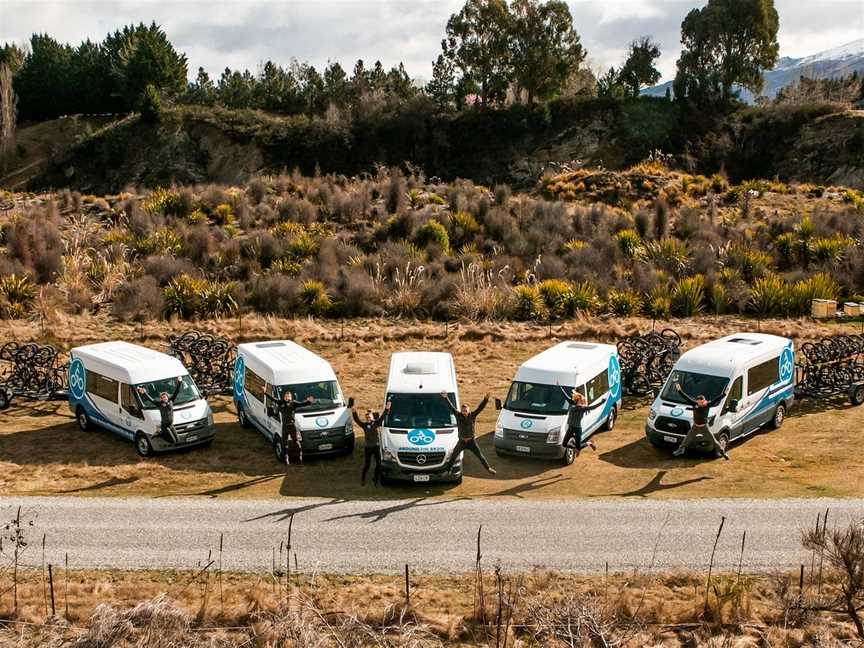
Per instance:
x=245, y=33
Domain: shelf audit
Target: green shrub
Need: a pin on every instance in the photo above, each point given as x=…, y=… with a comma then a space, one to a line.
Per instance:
x=658, y=304
x=399, y=227
x=854, y=197
x=630, y=243
x=217, y=300
x=18, y=292
x=183, y=296
x=223, y=214
x=623, y=302
x=688, y=296
x=150, y=104
x=668, y=253
x=582, y=298
x=527, y=303
x=750, y=262
x=432, y=232
x=314, y=299
x=463, y=228
x=719, y=299
x=829, y=250
x=162, y=241
x=555, y=294
x=801, y=294
x=768, y=296
x=302, y=247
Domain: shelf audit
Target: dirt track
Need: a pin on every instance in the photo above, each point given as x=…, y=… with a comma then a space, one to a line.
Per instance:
x=816, y=453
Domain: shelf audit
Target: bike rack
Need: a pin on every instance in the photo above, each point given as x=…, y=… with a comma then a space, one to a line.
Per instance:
x=209, y=359
x=647, y=360
x=31, y=371
x=831, y=367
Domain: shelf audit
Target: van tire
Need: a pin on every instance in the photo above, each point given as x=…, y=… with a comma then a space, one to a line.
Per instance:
x=856, y=394
x=242, y=418
x=278, y=450
x=83, y=420
x=4, y=399
x=723, y=440
x=779, y=417
x=142, y=445
x=569, y=455
x=609, y=423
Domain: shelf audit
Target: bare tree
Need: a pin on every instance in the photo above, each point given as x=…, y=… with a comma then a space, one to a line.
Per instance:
x=8, y=110
x=843, y=552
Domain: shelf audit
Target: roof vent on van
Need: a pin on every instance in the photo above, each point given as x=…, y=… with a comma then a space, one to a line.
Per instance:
x=269, y=345
x=582, y=346
x=745, y=341
x=420, y=369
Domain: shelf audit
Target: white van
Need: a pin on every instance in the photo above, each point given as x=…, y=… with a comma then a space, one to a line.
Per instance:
x=533, y=419
x=104, y=380
x=419, y=432
x=264, y=371
x=758, y=371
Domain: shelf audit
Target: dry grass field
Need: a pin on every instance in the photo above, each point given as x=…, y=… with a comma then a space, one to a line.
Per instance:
x=816, y=453
x=168, y=609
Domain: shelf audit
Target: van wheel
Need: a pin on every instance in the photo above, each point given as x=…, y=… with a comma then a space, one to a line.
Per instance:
x=779, y=417
x=83, y=419
x=569, y=455
x=4, y=399
x=723, y=440
x=856, y=395
x=610, y=420
x=242, y=418
x=142, y=445
x=278, y=449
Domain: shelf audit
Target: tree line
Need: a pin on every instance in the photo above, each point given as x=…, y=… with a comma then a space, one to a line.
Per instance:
x=493, y=52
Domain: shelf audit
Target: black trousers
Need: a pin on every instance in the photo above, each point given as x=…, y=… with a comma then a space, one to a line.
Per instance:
x=369, y=453
x=291, y=448
x=169, y=432
x=576, y=435
x=466, y=444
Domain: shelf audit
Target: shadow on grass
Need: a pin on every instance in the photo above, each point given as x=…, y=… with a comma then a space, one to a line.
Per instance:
x=108, y=483
x=519, y=489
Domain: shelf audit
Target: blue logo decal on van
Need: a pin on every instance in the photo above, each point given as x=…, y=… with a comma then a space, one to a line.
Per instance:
x=239, y=377
x=787, y=365
x=77, y=379
x=677, y=411
x=527, y=423
x=421, y=437
x=614, y=377
x=321, y=421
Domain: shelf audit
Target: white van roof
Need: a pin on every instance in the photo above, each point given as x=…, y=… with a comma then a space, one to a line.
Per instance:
x=571, y=363
x=283, y=362
x=722, y=357
x=421, y=372
x=129, y=363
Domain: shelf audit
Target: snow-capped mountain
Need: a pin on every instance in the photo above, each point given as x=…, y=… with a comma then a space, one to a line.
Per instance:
x=837, y=62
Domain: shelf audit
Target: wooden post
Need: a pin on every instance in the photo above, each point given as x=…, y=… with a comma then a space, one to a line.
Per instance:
x=801, y=587
x=66, y=584
x=51, y=586
x=288, y=563
x=407, y=588
x=711, y=564
x=221, y=595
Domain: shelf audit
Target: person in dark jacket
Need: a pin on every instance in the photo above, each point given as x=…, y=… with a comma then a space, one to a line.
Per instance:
x=578, y=407
x=287, y=407
x=372, y=447
x=165, y=405
x=465, y=423
x=701, y=407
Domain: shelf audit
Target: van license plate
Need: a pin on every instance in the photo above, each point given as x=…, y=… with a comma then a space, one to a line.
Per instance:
x=421, y=478
x=670, y=439
x=191, y=438
x=523, y=449
x=325, y=446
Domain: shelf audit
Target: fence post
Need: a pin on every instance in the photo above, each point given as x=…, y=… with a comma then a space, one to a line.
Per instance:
x=407, y=588
x=51, y=586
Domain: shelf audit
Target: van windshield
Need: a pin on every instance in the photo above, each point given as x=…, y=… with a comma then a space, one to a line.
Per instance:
x=536, y=398
x=150, y=399
x=326, y=393
x=419, y=411
x=693, y=384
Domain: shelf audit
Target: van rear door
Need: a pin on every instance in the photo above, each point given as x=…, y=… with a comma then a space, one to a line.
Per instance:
x=594, y=390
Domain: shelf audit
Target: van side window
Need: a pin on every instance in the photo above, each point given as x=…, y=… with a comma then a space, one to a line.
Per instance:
x=101, y=386
x=735, y=393
x=128, y=402
x=763, y=375
x=255, y=384
x=597, y=386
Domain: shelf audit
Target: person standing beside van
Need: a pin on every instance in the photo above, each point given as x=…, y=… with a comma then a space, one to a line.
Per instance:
x=577, y=408
x=701, y=407
x=287, y=407
x=372, y=448
x=165, y=405
x=465, y=424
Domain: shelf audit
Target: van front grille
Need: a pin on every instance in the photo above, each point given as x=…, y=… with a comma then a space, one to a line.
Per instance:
x=522, y=435
x=422, y=459
x=322, y=435
x=675, y=426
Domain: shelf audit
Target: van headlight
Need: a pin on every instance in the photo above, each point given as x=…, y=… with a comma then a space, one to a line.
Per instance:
x=652, y=414
x=499, y=429
x=210, y=419
x=389, y=455
x=348, y=429
x=555, y=435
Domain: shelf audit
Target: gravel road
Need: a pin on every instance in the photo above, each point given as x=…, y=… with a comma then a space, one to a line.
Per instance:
x=429, y=534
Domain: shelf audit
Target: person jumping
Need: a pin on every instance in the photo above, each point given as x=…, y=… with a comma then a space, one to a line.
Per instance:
x=701, y=407
x=465, y=423
x=287, y=407
x=165, y=405
x=372, y=448
x=578, y=407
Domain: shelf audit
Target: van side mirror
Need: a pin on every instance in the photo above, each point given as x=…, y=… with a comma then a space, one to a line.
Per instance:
x=498, y=404
x=733, y=405
x=351, y=401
